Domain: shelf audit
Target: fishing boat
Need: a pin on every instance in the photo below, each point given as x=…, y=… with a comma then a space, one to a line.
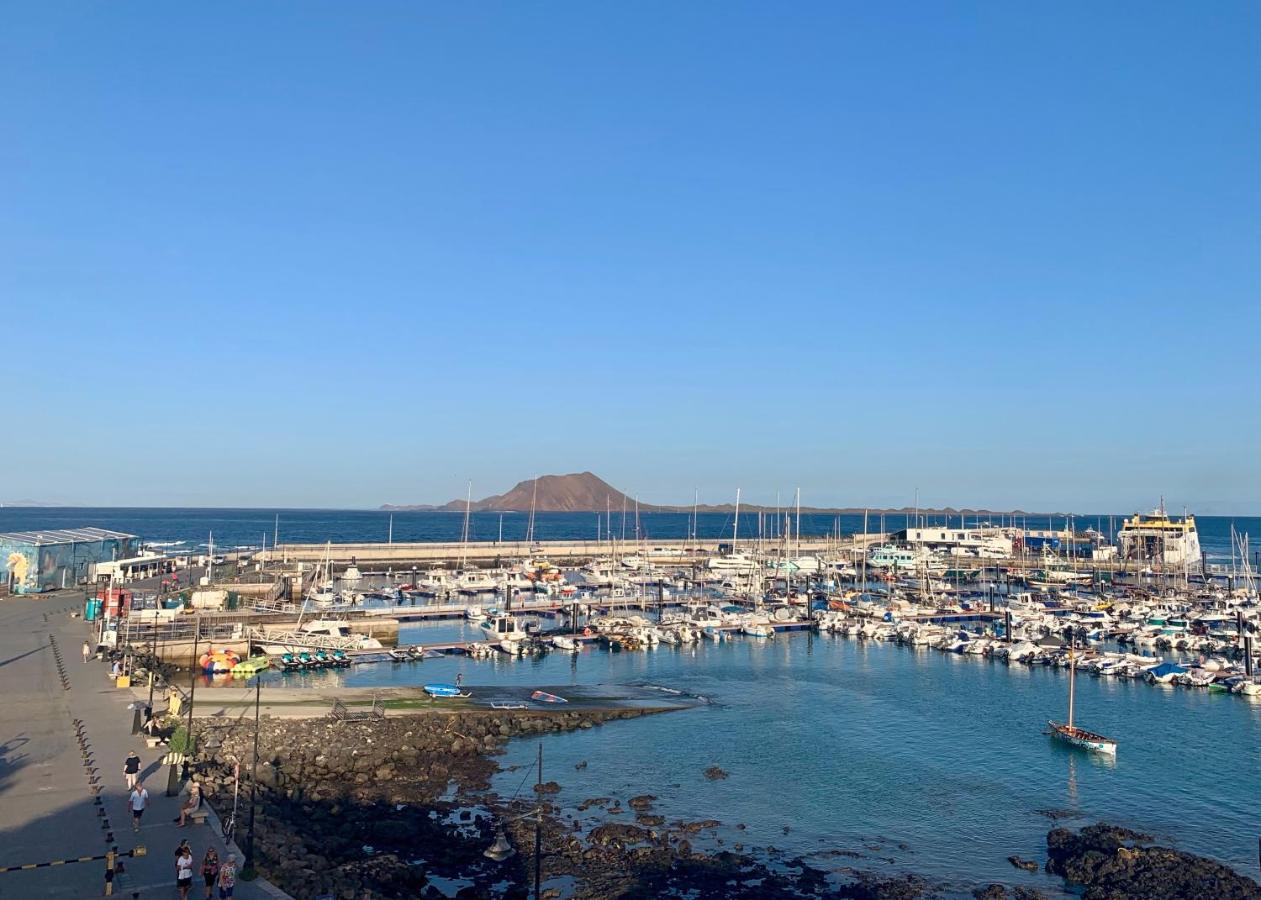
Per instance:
x=545, y=697
x=445, y=690
x=1070, y=733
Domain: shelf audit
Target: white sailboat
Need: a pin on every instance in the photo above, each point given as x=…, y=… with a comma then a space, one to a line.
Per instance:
x=1070, y=733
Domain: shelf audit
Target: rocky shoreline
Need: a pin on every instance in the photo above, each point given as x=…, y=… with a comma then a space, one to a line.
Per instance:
x=401, y=807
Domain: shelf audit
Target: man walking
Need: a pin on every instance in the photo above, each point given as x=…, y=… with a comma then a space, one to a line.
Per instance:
x=87, y=652
x=139, y=800
x=131, y=768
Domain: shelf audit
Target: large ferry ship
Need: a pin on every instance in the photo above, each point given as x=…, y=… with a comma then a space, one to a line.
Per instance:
x=1161, y=540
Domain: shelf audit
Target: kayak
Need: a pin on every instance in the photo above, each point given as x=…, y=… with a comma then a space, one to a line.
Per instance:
x=444, y=690
x=545, y=697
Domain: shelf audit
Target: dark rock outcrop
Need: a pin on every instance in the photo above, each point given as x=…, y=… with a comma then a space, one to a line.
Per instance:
x=1113, y=863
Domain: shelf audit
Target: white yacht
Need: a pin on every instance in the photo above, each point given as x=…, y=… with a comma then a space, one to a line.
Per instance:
x=733, y=562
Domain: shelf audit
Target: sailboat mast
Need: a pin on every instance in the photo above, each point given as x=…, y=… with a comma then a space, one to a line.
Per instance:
x=735, y=529
x=1072, y=676
x=468, y=509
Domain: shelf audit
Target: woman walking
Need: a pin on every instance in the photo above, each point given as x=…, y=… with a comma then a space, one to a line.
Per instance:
x=210, y=870
x=184, y=871
x=227, y=878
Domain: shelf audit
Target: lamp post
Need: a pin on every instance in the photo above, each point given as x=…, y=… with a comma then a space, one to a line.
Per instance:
x=192, y=690
x=247, y=867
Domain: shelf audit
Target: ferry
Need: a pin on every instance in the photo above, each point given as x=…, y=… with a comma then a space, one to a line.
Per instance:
x=1161, y=539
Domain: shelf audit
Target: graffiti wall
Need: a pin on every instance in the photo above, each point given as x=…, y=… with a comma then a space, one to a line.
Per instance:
x=29, y=568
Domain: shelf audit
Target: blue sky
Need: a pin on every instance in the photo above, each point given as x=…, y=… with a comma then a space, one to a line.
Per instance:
x=346, y=254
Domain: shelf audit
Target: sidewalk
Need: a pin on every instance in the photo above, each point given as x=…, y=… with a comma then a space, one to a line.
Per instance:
x=48, y=811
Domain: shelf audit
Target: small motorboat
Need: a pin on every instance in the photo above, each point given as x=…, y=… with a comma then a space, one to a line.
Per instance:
x=400, y=656
x=758, y=629
x=432, y=654
x=568, y=644
x=445, y=690
x=545, y=697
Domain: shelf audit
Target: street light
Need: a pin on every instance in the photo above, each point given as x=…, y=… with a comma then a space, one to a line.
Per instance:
x=248, y=866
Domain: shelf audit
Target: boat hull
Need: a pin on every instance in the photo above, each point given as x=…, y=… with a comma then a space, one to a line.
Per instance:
x=1084, y=740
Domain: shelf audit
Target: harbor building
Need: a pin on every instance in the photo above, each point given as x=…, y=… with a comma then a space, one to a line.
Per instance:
x=1162, y=541
x=35, y=561
x=986, y=542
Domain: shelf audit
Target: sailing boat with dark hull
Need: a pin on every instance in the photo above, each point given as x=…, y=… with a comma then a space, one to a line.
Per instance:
x=1067, y=731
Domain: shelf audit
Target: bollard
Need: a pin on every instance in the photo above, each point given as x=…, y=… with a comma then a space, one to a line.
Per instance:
x=172, y=781
x=109, y=871
x=135, y=720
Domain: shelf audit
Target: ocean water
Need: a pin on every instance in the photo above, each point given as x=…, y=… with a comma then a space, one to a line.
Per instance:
x=835, y=744
x=251, y=527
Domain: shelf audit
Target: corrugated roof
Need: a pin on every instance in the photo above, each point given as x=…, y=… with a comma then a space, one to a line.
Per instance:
x=63, y=536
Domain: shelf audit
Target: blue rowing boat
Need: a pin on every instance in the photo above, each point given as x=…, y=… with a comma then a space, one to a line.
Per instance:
x=444, y=690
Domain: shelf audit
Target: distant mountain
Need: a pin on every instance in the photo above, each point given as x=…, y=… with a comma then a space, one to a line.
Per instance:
x=587, y=492
x=579, y=492
x=37, y=503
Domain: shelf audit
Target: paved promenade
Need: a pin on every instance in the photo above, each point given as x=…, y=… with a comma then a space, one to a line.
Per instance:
x=48, y=809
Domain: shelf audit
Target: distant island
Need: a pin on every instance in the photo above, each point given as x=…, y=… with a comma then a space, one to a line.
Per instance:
x=587, y=492
x=28, y=503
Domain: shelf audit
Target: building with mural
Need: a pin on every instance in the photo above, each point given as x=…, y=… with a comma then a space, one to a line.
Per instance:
x=35, y=561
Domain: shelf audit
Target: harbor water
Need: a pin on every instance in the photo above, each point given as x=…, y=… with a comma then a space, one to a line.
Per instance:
x=189, y=529
x=916, y=760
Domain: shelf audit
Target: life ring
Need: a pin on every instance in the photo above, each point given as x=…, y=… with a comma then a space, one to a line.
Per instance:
x=586, y=632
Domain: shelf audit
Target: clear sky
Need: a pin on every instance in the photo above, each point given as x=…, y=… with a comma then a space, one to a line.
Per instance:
x=340, y=254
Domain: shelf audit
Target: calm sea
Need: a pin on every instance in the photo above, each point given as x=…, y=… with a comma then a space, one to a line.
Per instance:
x=250, y=527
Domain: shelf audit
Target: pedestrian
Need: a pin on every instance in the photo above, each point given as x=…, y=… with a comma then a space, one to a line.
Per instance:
x=131, y=769
x=117, y=668
x=184, y=871
x=459, y=679
x=87, y=651
x=139, y=800
x=227, y=877
x=210, y=870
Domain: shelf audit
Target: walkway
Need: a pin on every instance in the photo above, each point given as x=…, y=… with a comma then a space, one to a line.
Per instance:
x=64, y=732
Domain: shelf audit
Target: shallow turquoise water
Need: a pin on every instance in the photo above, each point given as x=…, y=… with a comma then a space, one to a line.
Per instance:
x=862, y=746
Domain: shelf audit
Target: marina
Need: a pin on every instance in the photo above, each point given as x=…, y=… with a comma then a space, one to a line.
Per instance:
x=867, y=642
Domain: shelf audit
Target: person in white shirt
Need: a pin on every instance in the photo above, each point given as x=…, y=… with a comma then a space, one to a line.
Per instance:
x=184, y=872
x=139, y=800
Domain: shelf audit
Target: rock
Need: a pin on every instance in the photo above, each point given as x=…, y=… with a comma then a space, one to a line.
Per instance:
x=990, y=892
x=580, y=766
x=619, y=835
x=650, y=820
x=642, y=803
x=713, y=773
x=547, y=787
x=694, y=827
x=1027, y=864
x=1113, y=863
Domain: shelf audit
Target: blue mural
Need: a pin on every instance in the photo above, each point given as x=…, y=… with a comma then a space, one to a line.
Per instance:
x=45, y=561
